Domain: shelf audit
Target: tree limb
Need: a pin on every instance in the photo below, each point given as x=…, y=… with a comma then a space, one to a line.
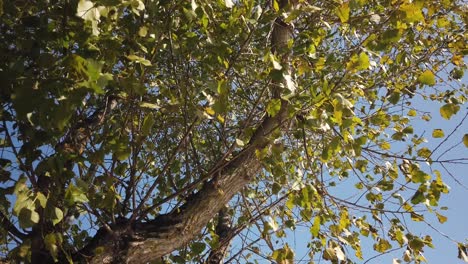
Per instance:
x=10, y=227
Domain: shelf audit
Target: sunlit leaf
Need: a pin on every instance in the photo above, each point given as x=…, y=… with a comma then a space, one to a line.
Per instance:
x=273, y=107
x=57, y=216
x=438, y=133
x=448, y=110
x=427, y=78
x=343, y=12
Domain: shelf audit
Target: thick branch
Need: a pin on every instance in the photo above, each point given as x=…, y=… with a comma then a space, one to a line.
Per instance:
x=10, y=228
x=223, y=228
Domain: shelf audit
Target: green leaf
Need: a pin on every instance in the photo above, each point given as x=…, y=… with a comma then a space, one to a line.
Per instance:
x=416, y=244
x=273, y=107
x=418, y=197
x=28, y=217
x=427, y=78
x=275, y=5
x=413, y=11
x=42, y=199
x=198, y=247
x=283, y=255
x=412, y=113
x=57, y=216
x=138, y=59
x=438, y=133
x=122, y=149
x=75, y=195
x=51, y=242
x=148, y=123
x=448, y=110
x=358, y=62
x=314, y=230
x=149, y=105
x=424, y=152
x=382, y=245
x=343, y=12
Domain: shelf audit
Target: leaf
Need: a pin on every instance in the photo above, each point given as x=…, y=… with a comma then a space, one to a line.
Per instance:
x=290, y=84
x=283, y=256
x=343, y=12
x=143, y=31
x=442, y=219
x=358, y=62
x=138, y=59
x=87, y=11
x=314, y=230
x=42, y=199
x=28, y=217
x=438, y=133
x=198, y=248
x=273, y=224
x=210, y=111
x=51, y=241
x=416, y=244
x=123, y=152
x=194, y=5
x=273, y=107
x=382, y=245
x=413, y=12
x=75, y=195
x=228, y=3
x=329, y=254
x=340, y=254
x=448, y=110
x=424, y=152
x=58, y=216
x=149, y=105
x=275, y=5
x=427, y=78
x=465, y=140
x=148, y=123
x=275, y=62
x=462, y=252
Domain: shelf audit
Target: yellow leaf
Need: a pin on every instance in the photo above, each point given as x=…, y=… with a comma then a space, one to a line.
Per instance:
x=343, y=12
x=465, y=140
x=413, y=12
x=442, y=219
x=438, y=133
x=427, y=77
x=457, y=60
x=209, y=111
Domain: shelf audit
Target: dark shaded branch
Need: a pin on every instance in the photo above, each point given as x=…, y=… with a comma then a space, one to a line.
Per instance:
x=10, y=227
x=223, y=229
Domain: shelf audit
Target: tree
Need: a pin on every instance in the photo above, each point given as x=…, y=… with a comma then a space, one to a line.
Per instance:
x=138, y=131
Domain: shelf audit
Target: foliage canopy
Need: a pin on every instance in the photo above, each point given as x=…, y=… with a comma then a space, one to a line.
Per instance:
x=127, y=126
